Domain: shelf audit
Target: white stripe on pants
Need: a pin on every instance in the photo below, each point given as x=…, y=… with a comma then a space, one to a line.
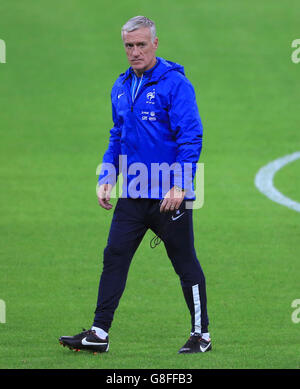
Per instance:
x=197, y=308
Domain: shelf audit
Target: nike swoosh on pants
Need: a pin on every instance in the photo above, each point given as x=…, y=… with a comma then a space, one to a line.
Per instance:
x=177, y=217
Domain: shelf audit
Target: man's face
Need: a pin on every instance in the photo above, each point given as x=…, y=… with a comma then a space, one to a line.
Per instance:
x=140, y=49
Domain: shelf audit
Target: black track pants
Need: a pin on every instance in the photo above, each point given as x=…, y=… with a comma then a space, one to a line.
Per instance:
x=131, y=220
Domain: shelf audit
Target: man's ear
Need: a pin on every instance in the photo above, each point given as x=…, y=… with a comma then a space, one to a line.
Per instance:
x=155, y=43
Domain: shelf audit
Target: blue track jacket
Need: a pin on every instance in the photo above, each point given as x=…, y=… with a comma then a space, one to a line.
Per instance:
x=156, y=139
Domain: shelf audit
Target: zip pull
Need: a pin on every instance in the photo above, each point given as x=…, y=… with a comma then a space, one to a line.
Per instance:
x=136, y=88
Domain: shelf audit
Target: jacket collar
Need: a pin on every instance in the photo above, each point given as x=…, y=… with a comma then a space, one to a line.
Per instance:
x=157, y=72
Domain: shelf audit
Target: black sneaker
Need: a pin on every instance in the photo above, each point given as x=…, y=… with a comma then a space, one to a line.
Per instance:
x=86, y=340
x=195, y=344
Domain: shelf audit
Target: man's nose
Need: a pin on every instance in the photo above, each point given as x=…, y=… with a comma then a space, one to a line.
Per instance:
x=135, y=51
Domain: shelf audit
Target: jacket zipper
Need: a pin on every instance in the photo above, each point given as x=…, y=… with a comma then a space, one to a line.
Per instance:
x=140, y=92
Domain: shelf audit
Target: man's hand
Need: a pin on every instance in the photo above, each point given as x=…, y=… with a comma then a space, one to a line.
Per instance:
x=103, y=194
x=172, y=200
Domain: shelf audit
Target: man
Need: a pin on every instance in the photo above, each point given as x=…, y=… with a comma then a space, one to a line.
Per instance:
x=156, y=124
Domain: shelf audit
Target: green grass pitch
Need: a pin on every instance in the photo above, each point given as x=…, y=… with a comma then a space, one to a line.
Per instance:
x=62, y=58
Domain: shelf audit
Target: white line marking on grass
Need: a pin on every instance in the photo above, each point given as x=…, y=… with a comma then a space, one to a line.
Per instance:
x=2, y=311
x=264, y=181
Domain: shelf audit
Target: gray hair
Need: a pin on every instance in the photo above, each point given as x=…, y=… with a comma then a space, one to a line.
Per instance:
x=139, y=22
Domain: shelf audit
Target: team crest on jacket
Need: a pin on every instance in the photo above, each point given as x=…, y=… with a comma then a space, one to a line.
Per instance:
x=150, y=97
